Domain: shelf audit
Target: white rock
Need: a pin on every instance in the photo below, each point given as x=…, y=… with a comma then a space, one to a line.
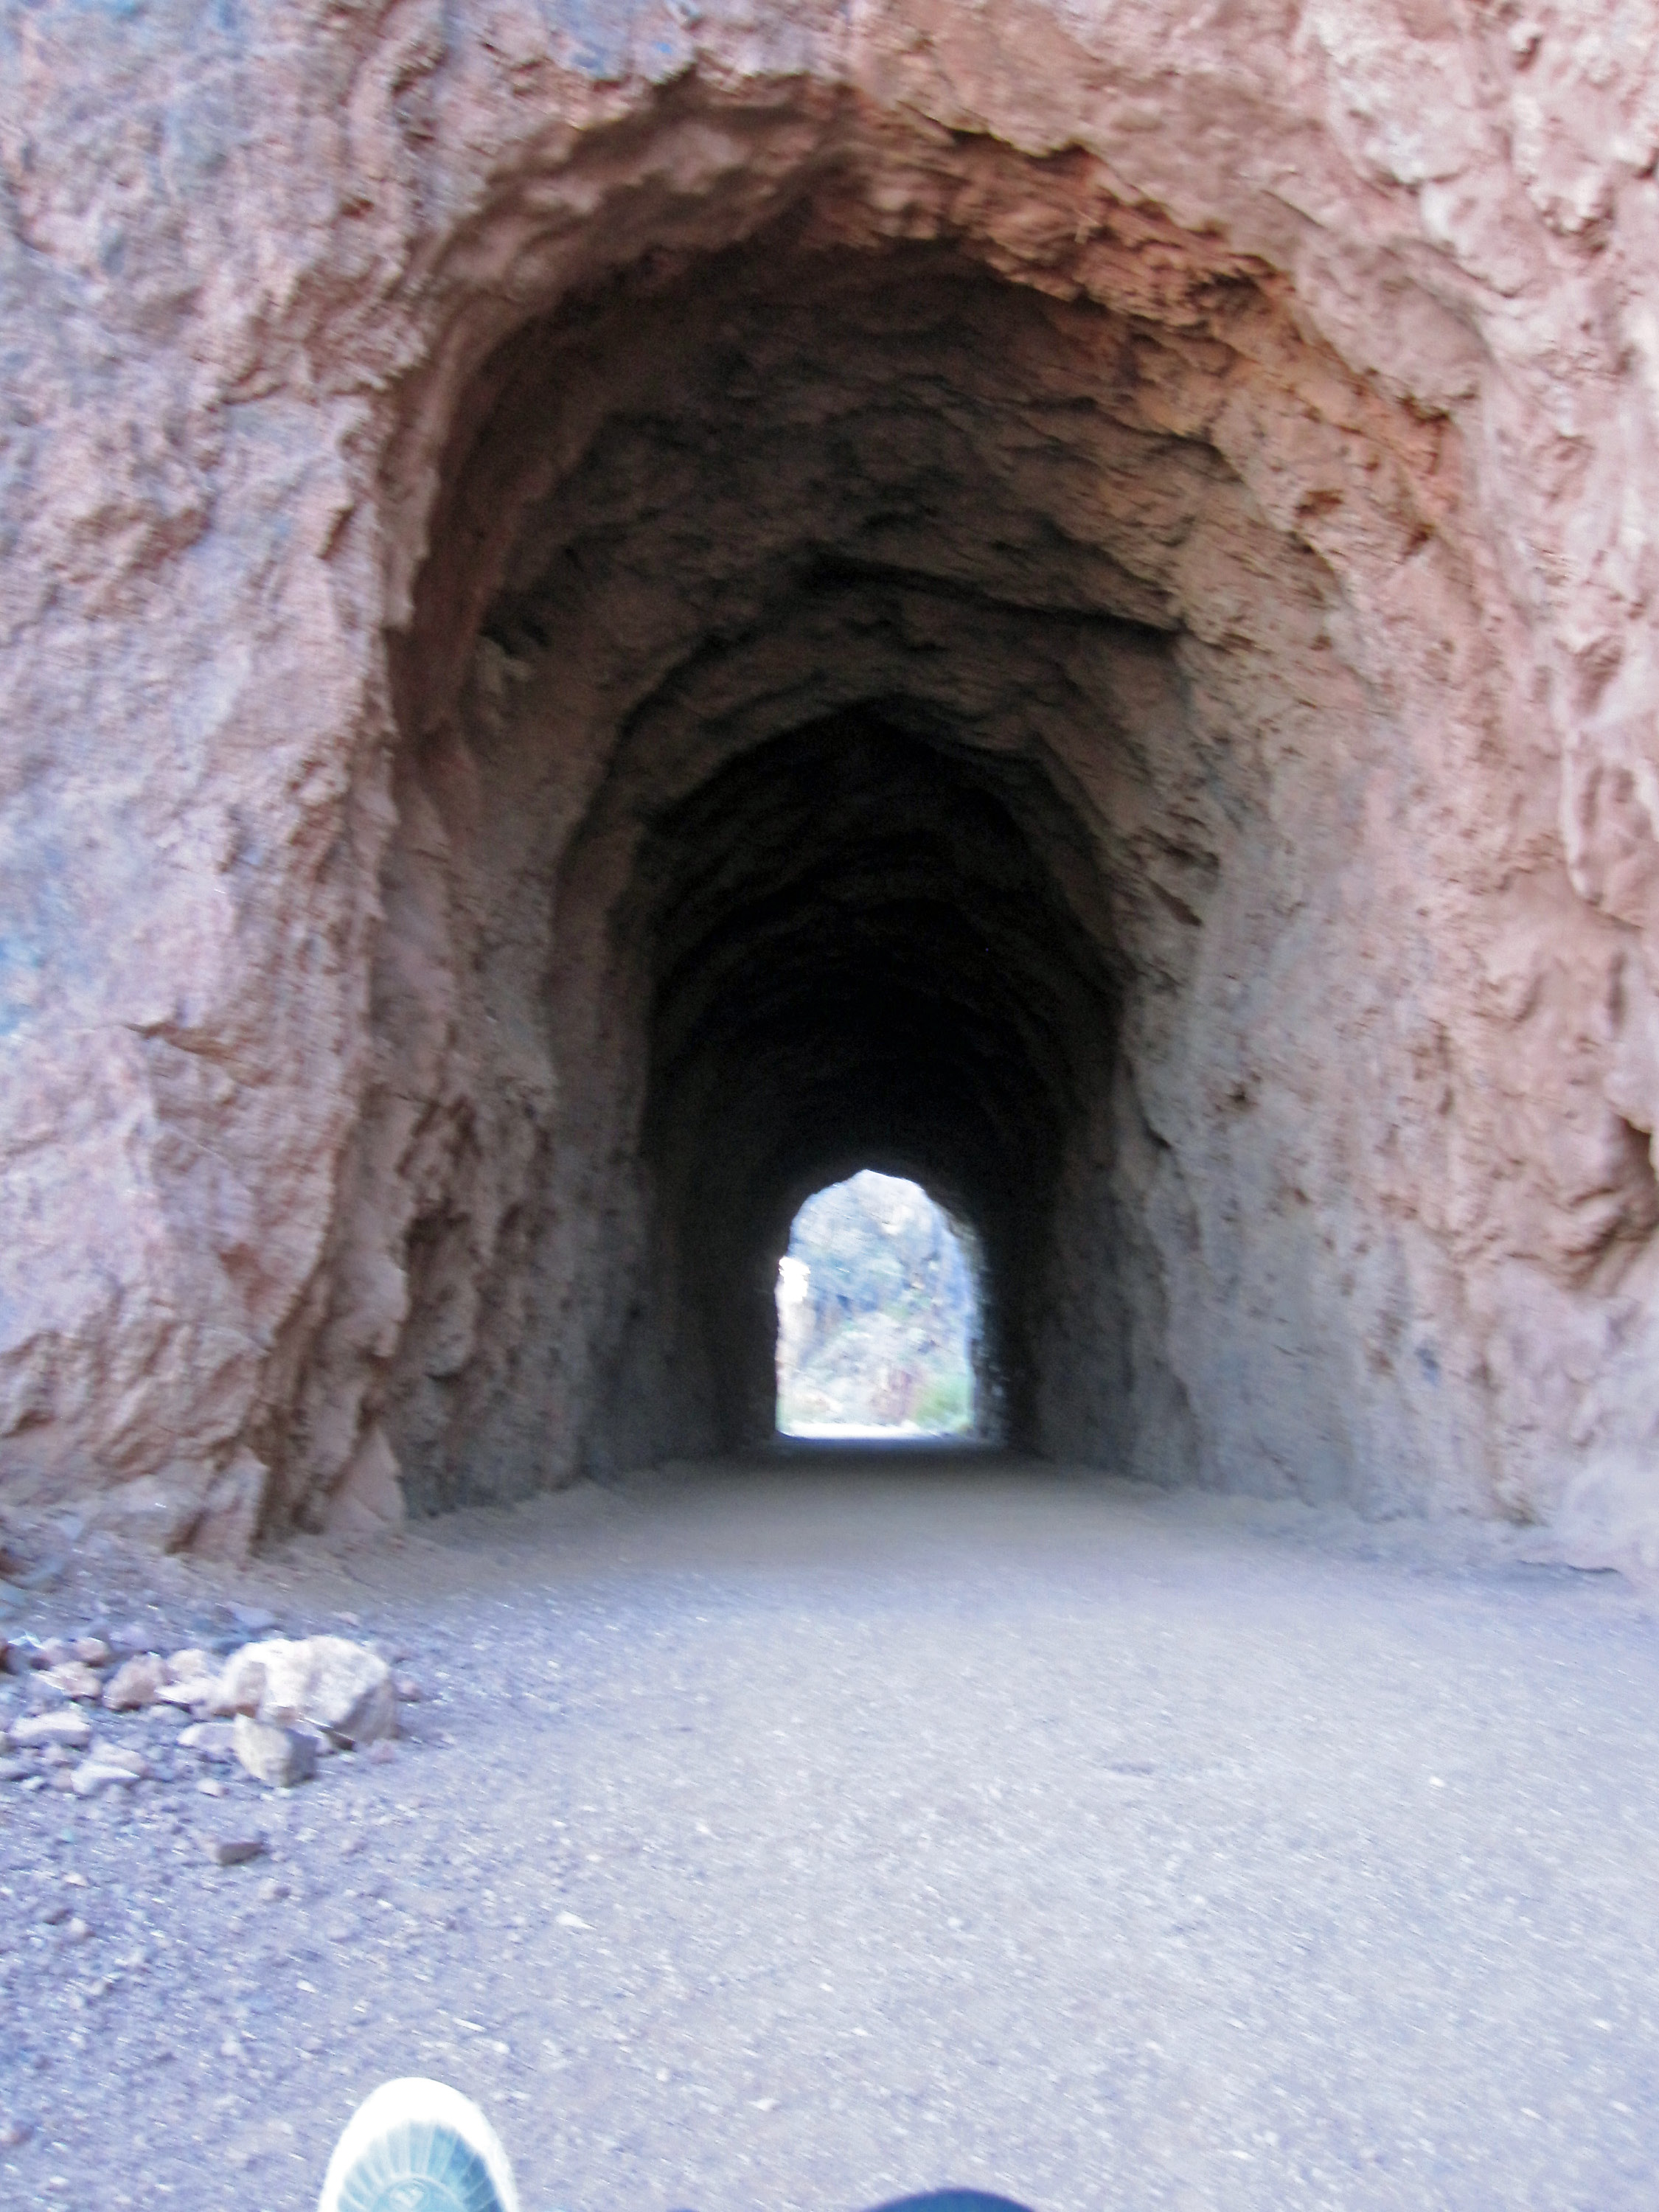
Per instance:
x=272, y=1754
x=95, y=1774
x=328, y=1680
x=190, y=1665
x=239, y=1689
x=117, y=1754
x=76, y=1679
x=135, y=1682
x=210, y=1739
x=71, y=1730
x=187, y=1695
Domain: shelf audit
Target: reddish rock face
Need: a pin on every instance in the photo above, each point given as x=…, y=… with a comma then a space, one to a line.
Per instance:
x=609, y=615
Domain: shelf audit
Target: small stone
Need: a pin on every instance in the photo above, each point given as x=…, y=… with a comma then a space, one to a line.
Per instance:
x=71, y=1730
x=193, y=1696
x=239, y=1689
x=190, y=1665
x=13, y=2134
x=209, y=1738
x=135, y=1682
x=62, y=1779
x=92, y=1651
x=234, y=1851
x=12, y=1769
x=118, y=1754
x=55, y=1651
x=253, y=1619
x=186, y=1697
x=95, y=1774
x=381, y=1753
x=54, y=1914
x=278, y=1756
x=76, y=1931
x=76, y=1679
x=409, y=1689
x=22, y=1656
x=211, y=1787
x=271, y=1891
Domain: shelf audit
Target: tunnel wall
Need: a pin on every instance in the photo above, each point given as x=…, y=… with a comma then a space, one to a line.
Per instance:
x=325, y=1117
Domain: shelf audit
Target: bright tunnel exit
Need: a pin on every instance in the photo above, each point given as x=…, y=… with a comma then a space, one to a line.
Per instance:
x=878, y=1316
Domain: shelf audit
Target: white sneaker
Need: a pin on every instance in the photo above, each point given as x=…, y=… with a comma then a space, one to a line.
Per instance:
x=417, y=2145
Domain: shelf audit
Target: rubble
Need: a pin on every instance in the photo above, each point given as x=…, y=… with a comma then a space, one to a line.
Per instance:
x=270, y=1711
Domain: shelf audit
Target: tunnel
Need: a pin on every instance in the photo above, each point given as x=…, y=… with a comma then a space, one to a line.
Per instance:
x=852, y=881
x=921, y=667
x=864, y=957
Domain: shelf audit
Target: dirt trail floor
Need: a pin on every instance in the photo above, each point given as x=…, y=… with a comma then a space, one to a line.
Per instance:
x=794, y=1839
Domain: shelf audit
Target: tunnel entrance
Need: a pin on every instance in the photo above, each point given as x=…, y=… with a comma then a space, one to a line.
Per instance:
x=878, y=1316
x=836, y=779
x=869, y=703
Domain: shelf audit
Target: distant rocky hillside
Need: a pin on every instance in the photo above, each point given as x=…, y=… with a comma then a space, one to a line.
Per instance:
x=878, y=1312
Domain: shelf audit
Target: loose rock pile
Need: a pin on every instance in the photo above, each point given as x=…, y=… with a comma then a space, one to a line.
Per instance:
x=276, y=1707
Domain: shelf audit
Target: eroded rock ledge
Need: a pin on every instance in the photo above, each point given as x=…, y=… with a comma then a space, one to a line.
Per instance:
x=598, y=637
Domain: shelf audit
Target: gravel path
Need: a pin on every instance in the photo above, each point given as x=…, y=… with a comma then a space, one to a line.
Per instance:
x=795, y=1839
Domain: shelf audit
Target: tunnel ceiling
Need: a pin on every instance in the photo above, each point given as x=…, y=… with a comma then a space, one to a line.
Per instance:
x=858, y=948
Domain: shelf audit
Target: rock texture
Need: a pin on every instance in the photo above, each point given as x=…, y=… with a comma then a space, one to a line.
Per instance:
x=327, y=1682
x=609, y=613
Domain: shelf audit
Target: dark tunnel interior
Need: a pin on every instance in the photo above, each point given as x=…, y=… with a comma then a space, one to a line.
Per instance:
x=860, y=959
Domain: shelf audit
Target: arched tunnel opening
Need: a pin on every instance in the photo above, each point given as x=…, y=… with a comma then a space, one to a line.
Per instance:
x=834, y=893
x=897, y=702
x=880, y=1320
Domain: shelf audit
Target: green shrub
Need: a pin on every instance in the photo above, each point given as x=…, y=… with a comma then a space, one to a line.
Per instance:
x=946, y=1402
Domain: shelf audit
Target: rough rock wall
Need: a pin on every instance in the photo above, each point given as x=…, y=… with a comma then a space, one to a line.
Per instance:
x=440, y=440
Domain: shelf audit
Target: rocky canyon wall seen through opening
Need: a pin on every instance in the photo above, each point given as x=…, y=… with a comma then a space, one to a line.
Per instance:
x=834, y=604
